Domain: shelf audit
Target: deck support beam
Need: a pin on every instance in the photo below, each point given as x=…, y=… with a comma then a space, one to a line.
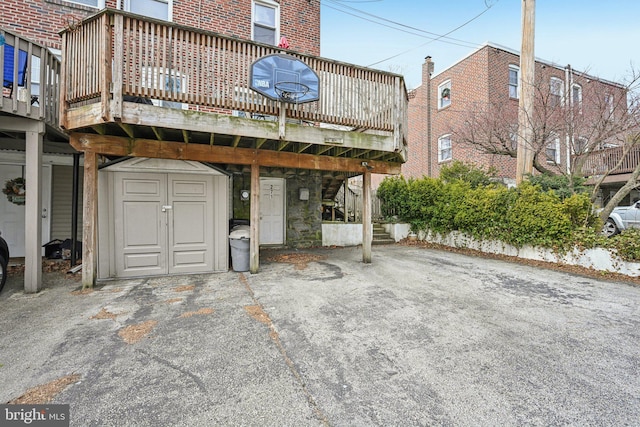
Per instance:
x=33, y=209
x=90, y=220
x=254, y=243
x=367, y=236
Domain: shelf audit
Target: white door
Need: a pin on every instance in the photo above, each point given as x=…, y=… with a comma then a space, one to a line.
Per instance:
x=190, y=223
x=271, y=211
x=12, y=221
x=163, y=223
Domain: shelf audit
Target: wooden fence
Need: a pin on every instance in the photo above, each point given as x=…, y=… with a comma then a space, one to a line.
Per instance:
x=115, y=53
x=31, y=79
x=605, y=161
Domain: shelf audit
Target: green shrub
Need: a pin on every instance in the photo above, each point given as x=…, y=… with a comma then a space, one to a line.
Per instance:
x=563, y=186
x=627, y=244
x=527, y=215
x=471, y=174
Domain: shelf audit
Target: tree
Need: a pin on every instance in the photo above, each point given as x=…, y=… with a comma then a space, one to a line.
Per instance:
x=573, y=126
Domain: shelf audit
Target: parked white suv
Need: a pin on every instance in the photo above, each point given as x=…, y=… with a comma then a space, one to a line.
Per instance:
x=621, y=218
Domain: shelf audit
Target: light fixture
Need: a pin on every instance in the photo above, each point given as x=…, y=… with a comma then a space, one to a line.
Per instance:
x=367, y=165
x=244, y=195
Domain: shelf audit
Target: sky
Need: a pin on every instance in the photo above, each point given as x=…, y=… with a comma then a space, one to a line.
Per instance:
x=601, y=38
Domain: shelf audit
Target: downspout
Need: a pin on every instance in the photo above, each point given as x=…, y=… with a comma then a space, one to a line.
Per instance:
x=430, y=67
x=568, y=73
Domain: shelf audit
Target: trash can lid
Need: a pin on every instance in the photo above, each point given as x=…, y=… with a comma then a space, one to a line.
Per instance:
x=239, y=234
x=241, y=227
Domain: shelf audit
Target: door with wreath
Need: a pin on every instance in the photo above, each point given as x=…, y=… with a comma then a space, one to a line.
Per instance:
x=12, y=224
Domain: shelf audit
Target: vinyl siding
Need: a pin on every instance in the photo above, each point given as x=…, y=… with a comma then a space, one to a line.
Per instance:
x=61, y=197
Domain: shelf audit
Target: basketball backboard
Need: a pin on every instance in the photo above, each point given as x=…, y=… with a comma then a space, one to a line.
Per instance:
x=282, y=77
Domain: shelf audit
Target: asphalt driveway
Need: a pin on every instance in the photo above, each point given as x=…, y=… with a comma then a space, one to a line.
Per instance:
x=418, y=337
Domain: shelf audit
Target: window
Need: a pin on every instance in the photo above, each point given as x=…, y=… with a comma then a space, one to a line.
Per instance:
x=556, y=92
x=553, y=149
x=159, y=9
x=266, y=22
x=513, y=137
x=608, y=100
x=444, y=94
x=576, y=96
x=580, y=145
x=514, y=75
x=169, y=81
x=98, y=4
x=444, y=148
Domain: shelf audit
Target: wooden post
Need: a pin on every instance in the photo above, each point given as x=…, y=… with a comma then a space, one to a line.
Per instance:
x=89, y=220
x=524, y=159
x=366, y=217
x=254, y=244
x=33, y=210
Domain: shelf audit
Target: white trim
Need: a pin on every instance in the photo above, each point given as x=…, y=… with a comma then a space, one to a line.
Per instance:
x=271, y=4
x=440, y=150
x=127, y=8
x=513, y=67
x=441, y=87
x=559, y=84
x=556, y=141
x=99, y=5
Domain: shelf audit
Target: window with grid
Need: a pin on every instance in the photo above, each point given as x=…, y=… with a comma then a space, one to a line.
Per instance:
x=514, y=75
x=576, y=96
x=553, y=149
x=159, y=9
x=98, y=4
x=556, y=92
x=444, y=94
x=444, y=148
x=608, y=100
x=266, y=20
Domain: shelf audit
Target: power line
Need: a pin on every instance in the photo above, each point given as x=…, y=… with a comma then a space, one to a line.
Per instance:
x=444, y=35
x=405, y=28
x=420, y=30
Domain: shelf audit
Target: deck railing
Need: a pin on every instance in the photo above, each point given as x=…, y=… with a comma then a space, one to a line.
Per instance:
x=114, y=53
x=31, y=77
x=604, y=161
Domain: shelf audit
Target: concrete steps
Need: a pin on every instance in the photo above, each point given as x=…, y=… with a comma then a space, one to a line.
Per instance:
x=380, y=237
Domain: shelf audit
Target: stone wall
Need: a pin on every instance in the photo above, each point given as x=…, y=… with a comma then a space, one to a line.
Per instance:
x=304, y=217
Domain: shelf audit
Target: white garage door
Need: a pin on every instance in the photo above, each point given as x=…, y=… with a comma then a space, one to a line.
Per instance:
x=163, y=223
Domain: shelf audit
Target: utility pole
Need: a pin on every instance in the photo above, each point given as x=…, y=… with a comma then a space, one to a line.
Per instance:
x=527, y=93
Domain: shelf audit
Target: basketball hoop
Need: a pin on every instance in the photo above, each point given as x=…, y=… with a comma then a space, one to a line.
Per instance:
x=290, y=91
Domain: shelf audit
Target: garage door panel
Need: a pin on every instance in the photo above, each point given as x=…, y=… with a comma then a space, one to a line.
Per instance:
x=142, y=224
x=189, y=219
x=144, y=261
x=189, y=258
x=140, y=228
x=137, y=188
x=191, y=233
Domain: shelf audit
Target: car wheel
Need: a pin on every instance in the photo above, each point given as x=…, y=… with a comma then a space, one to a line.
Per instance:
x=3, y=271
x=610, y=228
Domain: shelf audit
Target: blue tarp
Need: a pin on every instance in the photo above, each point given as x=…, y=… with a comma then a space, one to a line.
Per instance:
x=8, y=66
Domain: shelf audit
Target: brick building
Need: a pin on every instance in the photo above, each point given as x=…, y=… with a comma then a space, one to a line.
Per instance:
x=477, y=99
x=261, y=20
x=135, y=92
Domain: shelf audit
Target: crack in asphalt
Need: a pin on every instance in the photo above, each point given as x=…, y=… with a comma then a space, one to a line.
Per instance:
x=273, y=334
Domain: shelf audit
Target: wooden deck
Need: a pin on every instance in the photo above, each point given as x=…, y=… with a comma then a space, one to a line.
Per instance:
x=194, y=102
x=38, y=96
x=617, y=162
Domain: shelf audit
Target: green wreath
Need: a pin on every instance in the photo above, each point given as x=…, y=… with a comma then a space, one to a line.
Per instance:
x=16, y=190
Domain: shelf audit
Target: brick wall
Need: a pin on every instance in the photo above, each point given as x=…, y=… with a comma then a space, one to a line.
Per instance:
x=41, y=20
x=478, y=81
